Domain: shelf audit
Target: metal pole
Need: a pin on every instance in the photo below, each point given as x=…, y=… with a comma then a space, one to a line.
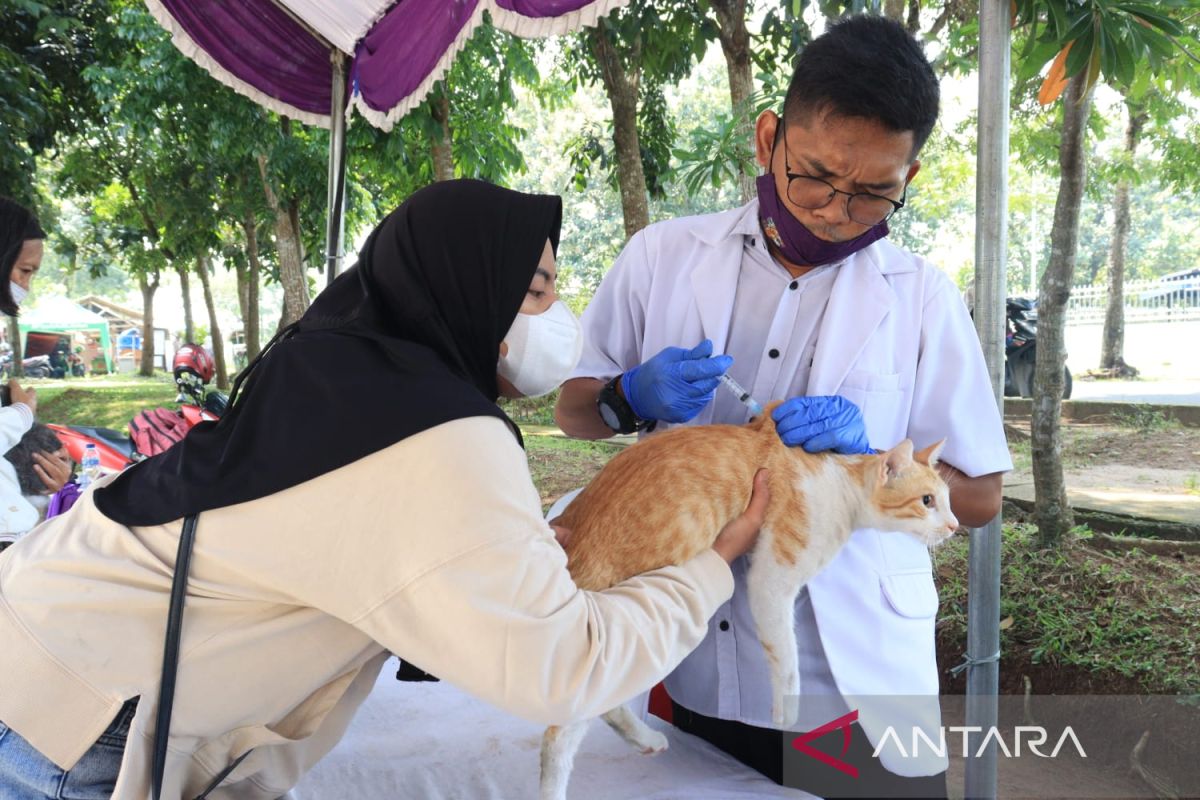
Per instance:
x=991, y=260
x=337, y=168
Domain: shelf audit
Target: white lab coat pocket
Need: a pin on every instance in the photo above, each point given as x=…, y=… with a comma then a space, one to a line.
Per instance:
x=910, y=594
x=880, y=398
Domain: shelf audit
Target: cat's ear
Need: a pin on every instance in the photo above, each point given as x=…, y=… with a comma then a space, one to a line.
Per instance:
x=929, y=456
x=896, y=460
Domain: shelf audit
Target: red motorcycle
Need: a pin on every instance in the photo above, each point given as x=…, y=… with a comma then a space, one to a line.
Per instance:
x=154, y=430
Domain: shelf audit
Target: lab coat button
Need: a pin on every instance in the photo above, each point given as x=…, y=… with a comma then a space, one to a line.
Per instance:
x=794, y=285
x=724, y=625
x=773, y=353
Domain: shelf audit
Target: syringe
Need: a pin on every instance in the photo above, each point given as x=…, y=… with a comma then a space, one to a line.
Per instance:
x=742, y=395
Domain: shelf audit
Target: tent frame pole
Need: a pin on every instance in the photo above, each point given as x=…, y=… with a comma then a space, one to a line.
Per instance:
x=336, y=207
x=991, y=253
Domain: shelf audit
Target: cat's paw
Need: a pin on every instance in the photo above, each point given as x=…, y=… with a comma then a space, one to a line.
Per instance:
x=785, y=699
x=652, y=743
x=785, y=711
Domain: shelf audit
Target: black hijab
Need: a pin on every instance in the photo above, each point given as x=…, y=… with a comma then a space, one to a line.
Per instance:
x=405, y=340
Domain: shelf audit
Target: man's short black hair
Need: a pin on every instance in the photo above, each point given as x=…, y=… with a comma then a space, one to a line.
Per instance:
x=867, y=67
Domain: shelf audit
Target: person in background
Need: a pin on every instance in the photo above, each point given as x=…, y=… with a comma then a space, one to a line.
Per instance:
x=801, y=298
x=21, y=249
x=40, y=461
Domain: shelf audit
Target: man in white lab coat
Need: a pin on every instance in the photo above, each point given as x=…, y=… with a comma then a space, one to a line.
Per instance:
x=805, y=301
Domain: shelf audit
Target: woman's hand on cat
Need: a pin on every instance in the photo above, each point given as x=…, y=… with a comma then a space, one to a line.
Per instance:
x=561, y=534
x=741, y=533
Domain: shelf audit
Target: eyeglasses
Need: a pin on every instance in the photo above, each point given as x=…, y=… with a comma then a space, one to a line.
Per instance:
x=862, y=207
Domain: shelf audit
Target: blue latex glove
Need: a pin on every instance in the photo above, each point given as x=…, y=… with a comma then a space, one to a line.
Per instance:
x=676, y=384
x=822, y=423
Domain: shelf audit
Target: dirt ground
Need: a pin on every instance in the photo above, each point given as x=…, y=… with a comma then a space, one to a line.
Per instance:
x=1145, y=469
x=1161, y=446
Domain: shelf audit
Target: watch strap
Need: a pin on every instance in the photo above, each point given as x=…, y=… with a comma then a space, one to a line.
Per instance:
x=619, y=411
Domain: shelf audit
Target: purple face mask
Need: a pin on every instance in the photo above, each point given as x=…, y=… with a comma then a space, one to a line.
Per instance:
x=797, y=243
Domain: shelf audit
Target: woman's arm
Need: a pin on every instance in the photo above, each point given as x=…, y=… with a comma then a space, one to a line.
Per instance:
x=460, y=575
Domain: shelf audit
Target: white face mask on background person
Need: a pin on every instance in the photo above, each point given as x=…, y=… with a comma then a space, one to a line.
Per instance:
x=542, y=350
x=18, y=292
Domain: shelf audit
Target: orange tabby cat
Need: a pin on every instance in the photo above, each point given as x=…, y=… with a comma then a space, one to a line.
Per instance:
x=664, y=500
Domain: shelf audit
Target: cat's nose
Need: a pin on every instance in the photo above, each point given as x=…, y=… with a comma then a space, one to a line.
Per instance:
x=951, y=523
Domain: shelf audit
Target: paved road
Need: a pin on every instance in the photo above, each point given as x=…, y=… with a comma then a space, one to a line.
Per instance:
x=1171, y=392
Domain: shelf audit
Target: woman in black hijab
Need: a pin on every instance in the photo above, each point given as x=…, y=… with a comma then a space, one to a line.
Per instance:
x=364, y=495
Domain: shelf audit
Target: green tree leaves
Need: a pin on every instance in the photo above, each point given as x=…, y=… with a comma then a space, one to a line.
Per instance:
x=1109, y=39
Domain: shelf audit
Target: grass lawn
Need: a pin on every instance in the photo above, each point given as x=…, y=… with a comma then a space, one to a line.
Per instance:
x=1078, y=619
x=559, y=465
x=108, y=401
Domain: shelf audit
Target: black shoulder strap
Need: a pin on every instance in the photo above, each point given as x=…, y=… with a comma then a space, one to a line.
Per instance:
x=166, y=688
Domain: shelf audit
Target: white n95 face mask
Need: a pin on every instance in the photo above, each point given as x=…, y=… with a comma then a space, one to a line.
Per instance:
x=17, y=291
x=542, y=350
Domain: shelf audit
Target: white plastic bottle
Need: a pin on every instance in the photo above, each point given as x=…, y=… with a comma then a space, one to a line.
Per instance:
x=89, y=467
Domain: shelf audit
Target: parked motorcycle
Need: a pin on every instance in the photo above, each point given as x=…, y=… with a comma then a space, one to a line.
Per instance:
x=33, y=367
x=1020, y=349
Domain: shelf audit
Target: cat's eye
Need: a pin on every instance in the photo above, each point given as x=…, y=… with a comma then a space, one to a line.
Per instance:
x=927, y=500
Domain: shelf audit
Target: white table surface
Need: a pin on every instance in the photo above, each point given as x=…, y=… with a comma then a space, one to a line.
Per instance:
x=430, y=741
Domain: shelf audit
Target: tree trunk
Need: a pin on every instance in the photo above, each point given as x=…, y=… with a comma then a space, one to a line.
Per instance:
x=293, y=210
x=1094, y=263
x=189, y=324
x=250, y=317
x=895, y=10
x=284, y=315
x=1112, y=343
x=287, y=245
x=1052, y=514
x=73, y=271
x=735, y=44
x=913, y=26
x=442, y=146
x=622, y=90
x=17, y=369
x=214, y=327
x=241, y=271
x=149, y=287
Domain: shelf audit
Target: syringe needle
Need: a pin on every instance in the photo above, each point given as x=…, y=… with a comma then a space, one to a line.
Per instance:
x=742, y=395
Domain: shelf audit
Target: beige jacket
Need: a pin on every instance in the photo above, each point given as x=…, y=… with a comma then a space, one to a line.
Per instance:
x=433, y=548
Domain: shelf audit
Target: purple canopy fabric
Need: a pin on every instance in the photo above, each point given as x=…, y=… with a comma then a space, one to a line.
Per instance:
x=278, y=52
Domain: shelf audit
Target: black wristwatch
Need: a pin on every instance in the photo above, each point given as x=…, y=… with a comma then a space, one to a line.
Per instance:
x=616, y=411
